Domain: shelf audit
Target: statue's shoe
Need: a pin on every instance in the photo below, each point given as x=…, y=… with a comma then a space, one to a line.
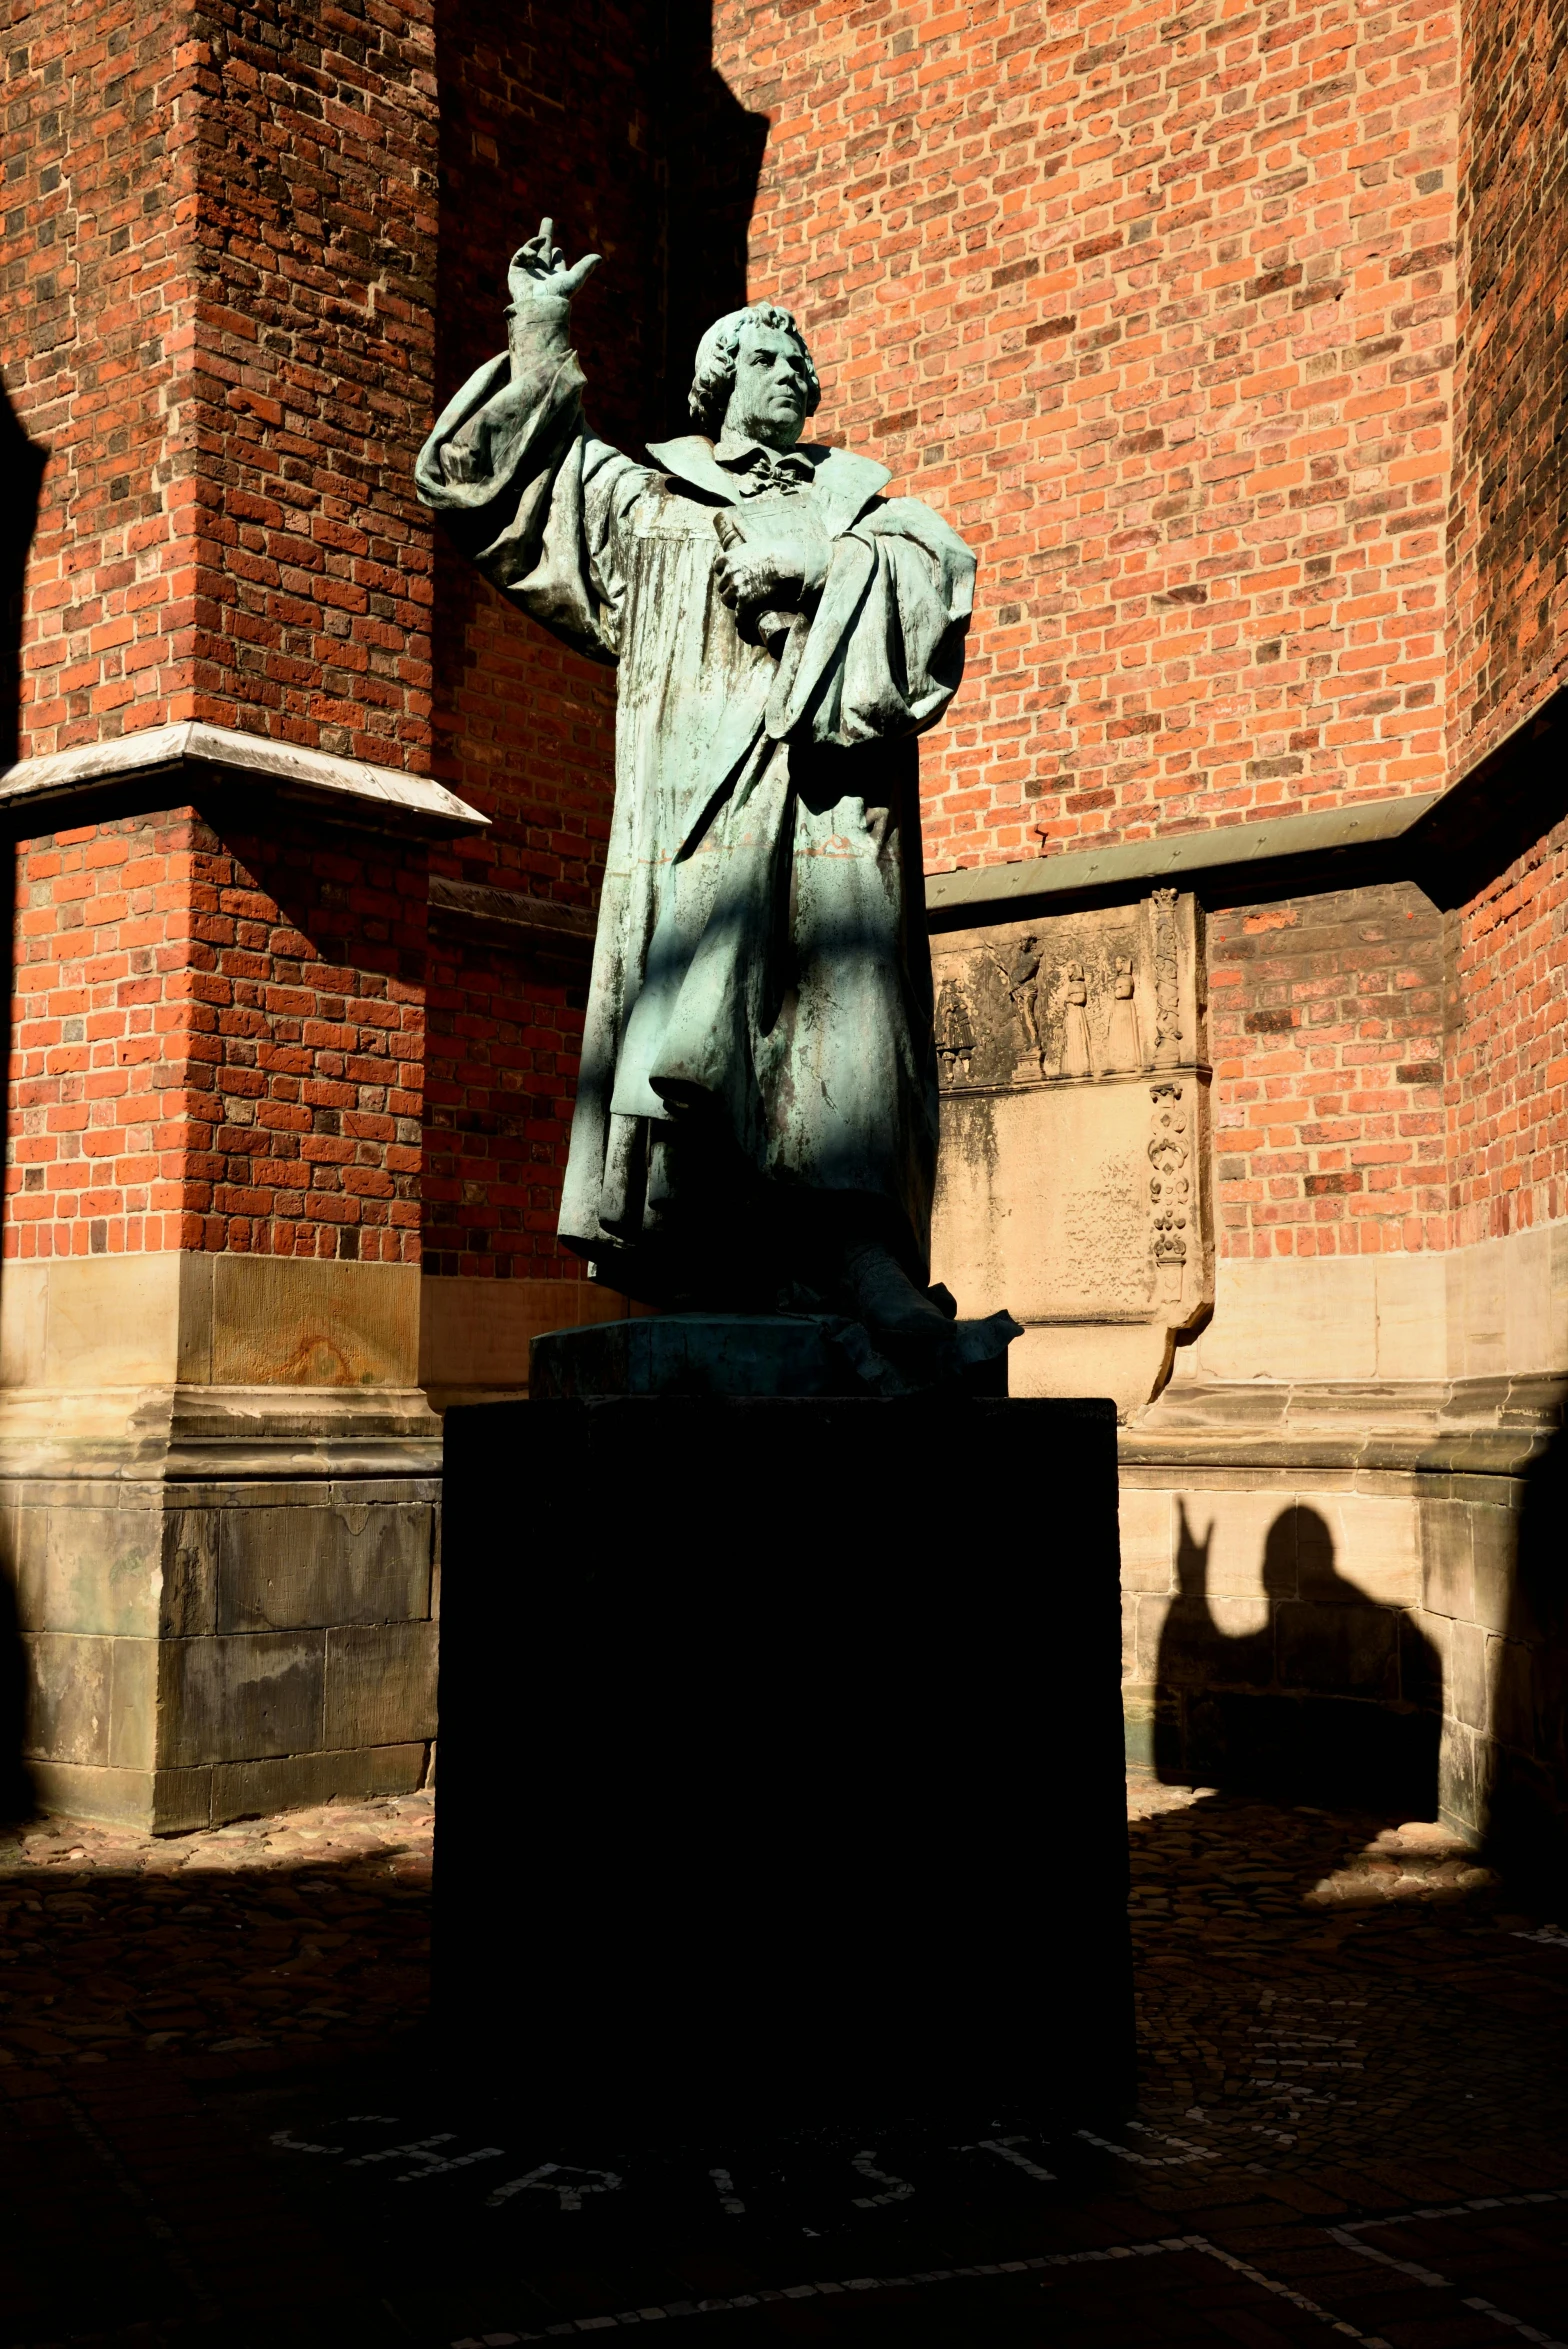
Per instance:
x=911, y=1345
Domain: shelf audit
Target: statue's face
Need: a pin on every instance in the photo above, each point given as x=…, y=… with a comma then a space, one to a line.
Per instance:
x=768, y=402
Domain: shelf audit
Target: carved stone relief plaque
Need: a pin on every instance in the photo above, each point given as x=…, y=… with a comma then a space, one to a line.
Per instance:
x=1072, y=1186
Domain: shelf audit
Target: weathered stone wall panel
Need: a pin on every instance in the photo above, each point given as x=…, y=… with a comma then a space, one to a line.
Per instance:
x=1073, y=1176
x=226, y=1658
x=234, y=1698
x=189, y=1598
x=70, y=1682
x=337, y=1562
x=381, y=1684
x=133, y=1704
x=1334, y=1579
x=250, y=1790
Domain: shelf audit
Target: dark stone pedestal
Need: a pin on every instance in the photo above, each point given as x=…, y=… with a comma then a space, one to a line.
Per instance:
x=780, y=1769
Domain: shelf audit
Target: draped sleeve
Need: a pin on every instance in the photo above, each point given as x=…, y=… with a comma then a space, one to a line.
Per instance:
x=528, y=492
x=884, y=652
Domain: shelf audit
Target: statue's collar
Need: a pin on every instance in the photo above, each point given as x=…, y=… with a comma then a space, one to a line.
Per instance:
x=843, y=484
x=736, y=454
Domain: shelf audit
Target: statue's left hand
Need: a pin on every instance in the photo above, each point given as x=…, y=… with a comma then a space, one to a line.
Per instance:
x=750, y=577
x=539, y=267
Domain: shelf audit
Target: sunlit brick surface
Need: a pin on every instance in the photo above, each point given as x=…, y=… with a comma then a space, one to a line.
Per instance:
x=97, y=309
x=1508, y=1116
x=1508, y=511
x=216, y=1044
x=1158, y=310
x=218, y=319
x=310, y=383
x=1326, y=1031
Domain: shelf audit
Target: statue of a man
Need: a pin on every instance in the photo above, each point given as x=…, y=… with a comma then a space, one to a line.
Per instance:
x=756, y=1117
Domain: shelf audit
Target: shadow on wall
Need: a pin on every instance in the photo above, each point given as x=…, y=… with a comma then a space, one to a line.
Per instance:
x=634, y=145
x=1507, y=1563
x=713, y=161
x=16, y=1786
x=616, y=124
x=1333, y=1699
x=1522, y=1751
x=642, y=155
x=22, y=464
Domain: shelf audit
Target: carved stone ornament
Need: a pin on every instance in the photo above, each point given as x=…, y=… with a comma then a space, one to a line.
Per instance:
x=1073, y=1174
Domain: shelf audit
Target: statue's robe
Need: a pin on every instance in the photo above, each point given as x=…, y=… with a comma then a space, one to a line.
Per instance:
x=759, y=1025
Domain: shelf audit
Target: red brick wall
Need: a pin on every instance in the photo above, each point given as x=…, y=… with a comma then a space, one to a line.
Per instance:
x=310, y=384
x=540, y=119
x=216, y=1041
x=505, y=1033
x=1509, y=1076
x=272, y=568
x=96, y=318
x=1509, y=616
x=1158, y=311
x=1326, y=1032
x=219, y=318
x=1508, y=514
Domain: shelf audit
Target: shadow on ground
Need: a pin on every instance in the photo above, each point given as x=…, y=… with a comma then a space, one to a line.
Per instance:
x=223, y=2062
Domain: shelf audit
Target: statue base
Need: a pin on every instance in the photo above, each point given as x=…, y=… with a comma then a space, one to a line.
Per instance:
x=781, y=1769
x=766, y=1354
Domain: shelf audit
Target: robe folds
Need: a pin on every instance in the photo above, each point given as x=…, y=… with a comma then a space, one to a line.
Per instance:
x=759, y=1026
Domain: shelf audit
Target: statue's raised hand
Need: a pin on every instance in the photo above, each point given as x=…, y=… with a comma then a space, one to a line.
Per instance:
x=539, y=268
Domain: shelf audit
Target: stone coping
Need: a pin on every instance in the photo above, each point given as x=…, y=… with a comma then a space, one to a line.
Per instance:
x=351, y=788
x=171, y=1434
x=1483, y=1426
x=1513, y=792
x=508, y=917
x=986, y=889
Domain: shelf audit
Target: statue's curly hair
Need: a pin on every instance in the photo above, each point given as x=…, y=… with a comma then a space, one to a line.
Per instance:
x=715, y=376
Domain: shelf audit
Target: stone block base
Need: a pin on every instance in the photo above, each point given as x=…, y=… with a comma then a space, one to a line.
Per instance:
x=216, y=1648
x=1355, y=1595
x=795, y=1725
x=172, y=1802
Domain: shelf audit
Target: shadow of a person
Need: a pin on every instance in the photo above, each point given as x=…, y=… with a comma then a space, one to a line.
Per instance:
x=1334, y=1698
x=23, y=461
x=1205, y=1656
x=1523, y=1766
x=16, y=1786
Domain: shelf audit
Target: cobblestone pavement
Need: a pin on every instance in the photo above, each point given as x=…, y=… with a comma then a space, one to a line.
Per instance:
x=222, y=2126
